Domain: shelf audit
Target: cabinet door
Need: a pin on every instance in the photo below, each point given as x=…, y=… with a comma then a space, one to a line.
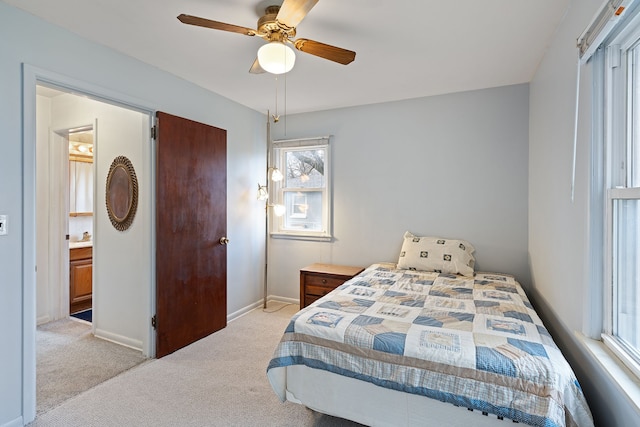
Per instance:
x=80, y=284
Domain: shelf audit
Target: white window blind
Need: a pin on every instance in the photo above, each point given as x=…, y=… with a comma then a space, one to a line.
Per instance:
x=602, y=24
x=609, y=15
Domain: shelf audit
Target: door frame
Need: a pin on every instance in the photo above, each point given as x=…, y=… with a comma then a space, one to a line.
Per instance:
x=31, y=77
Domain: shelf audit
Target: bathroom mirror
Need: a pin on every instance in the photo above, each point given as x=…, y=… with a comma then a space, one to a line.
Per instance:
x=121, y=193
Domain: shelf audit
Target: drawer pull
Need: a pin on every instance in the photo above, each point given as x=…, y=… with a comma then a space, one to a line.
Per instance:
x=324, y=281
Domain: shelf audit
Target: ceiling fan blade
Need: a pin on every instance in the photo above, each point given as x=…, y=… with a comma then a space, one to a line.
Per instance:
x=332, y=53
x=207, y=23
x=292, y=12
x=256, y=68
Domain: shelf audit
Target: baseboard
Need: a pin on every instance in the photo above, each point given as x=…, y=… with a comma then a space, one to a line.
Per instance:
x=239, y=313
x=18, y=422
x=271, y=298
x=118, y=339
x=43, y=319
x=276, y=298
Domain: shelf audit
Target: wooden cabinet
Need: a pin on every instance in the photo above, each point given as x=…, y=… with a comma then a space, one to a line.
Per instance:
x=317, y=280
x=80, y=279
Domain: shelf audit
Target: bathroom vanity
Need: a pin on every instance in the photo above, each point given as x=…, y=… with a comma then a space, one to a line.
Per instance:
x=80, y=276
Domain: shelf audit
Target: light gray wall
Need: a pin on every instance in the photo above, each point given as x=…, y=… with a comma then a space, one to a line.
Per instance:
x=558, y=227
x=26, y=39
x=452, y=165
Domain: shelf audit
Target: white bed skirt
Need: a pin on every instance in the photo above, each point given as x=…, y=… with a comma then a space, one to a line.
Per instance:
x=367, y=403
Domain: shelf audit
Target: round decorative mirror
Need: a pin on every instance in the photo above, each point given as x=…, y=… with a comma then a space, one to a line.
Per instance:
x=122, y=193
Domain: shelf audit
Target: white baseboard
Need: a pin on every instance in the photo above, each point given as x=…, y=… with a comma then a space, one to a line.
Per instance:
x=119, y=339
x=276, y=298
x=43, y=319
x=271, y=298
x=239, y=313
x=18, y=422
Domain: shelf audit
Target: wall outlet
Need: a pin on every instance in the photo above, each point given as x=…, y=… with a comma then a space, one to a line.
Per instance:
x=3, y=225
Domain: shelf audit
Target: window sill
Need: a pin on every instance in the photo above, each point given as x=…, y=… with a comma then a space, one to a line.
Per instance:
x=626, y=381
x=293, y=236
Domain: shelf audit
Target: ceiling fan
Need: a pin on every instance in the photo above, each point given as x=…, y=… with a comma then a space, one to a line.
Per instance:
x=278, y=27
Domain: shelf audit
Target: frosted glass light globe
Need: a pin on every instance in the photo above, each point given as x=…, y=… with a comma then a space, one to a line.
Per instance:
x=276, y=58
x=276, y=175
x=279, y=210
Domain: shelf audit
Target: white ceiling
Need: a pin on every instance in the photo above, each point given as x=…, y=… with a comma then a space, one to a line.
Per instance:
x=405, y=48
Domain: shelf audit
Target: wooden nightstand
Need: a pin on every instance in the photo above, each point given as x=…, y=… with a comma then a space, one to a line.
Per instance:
x=317, y=280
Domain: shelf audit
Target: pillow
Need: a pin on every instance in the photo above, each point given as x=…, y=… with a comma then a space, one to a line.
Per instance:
x=436, y=254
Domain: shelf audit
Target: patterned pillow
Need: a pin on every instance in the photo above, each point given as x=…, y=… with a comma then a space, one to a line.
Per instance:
x=436, y=254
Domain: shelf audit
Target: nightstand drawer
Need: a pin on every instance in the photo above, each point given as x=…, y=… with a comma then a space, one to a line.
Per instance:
x=318, y=291
x=317, y=280
x=321, y=285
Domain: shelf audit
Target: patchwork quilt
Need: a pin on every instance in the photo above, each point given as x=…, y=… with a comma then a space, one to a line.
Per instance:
x=474, y=342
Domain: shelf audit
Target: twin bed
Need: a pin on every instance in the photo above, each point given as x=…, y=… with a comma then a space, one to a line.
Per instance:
x=427, y=341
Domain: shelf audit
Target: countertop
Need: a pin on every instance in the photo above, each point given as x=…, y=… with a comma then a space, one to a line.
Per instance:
x=87, y=244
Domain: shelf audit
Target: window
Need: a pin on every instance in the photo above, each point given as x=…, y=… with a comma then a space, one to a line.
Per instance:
x=305, y=190
x=622, y=210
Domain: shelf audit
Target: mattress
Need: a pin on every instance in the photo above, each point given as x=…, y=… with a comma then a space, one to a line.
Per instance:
x=471, y=341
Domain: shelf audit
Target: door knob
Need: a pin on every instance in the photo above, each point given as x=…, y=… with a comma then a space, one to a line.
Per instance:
x=224, y=240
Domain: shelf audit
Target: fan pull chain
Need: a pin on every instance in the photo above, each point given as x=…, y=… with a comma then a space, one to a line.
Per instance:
x=275, y=116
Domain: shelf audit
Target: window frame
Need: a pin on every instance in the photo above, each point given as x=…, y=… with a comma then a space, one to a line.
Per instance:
x=280, y=149
x=620, y=127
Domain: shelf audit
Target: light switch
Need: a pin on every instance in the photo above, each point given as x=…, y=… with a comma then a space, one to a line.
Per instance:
x=3, y=225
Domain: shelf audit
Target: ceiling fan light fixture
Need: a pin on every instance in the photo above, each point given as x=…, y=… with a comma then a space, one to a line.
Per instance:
x=276, y=57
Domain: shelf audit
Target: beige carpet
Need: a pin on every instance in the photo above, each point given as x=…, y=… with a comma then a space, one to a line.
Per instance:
x=70, y=360
x=218, y=381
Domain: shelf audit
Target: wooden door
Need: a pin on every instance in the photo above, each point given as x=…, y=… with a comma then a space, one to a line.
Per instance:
x=191, y=220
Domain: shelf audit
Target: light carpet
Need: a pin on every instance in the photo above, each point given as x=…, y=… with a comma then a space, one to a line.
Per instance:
x=217, y=381
x=70, y=360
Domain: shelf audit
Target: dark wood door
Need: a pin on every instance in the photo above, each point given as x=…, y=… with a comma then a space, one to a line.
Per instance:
x=191, y=220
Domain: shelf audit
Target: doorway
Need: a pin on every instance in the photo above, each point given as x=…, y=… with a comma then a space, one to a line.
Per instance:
x=112, y=271
x=124, y=274
x=80, y=225
x=121, y=299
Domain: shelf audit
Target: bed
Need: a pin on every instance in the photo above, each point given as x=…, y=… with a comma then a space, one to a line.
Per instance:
x=427, y=342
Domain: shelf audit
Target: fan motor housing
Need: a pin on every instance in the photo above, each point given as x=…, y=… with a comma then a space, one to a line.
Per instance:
x=270, y=29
